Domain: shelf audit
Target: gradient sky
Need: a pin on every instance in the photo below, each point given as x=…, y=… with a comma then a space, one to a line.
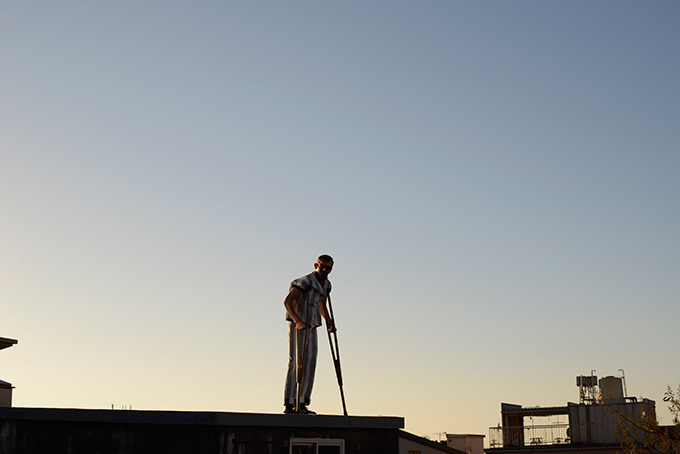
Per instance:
x=497, y=182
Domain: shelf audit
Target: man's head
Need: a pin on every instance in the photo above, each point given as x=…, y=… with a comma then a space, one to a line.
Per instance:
x=323, y=266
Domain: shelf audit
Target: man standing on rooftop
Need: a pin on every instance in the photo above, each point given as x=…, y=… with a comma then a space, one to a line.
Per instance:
x=305, y=305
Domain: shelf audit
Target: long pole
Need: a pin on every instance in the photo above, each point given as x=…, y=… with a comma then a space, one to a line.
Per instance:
x=335, y=353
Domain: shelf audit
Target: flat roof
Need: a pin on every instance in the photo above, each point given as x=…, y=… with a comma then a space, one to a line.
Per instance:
x=203, y=418
x=429, y=443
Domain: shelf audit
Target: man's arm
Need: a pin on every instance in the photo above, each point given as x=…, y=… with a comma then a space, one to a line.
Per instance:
x=330, y=323
x=289, y=304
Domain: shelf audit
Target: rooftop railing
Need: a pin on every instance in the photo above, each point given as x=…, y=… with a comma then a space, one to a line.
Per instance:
x=506, y=437
x=555, y=434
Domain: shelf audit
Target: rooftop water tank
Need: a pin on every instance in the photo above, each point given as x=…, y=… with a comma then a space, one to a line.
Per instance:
x=611, y=388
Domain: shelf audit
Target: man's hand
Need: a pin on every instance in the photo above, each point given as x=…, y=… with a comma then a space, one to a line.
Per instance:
x=299, y=324
x=331, y=327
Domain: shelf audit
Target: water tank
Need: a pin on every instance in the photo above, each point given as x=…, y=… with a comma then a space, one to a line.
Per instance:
x=611, y=388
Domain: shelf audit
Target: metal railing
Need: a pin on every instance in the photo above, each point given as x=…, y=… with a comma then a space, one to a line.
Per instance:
x=506, y=437
x=555, y=434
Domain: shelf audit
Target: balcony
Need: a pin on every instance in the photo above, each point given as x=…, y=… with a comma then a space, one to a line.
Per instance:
x=531, y=436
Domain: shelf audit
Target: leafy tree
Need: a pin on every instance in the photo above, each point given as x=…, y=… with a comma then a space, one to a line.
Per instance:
x=641, y=432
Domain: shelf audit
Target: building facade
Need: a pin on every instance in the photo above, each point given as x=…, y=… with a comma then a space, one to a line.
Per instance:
x=592, y=426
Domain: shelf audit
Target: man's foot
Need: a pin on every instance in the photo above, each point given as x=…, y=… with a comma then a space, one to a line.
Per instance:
x=290, y=409
x=303, y=410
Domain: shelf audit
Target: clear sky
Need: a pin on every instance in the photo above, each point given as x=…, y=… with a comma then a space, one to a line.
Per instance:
x=497, y=182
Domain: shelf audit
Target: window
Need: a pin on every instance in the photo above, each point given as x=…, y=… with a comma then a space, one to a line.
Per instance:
x=316, y=446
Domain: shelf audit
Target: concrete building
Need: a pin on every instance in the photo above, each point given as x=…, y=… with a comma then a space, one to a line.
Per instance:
x=591, y=426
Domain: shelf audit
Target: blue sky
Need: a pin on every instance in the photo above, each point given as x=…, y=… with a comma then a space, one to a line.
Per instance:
x=497, y=182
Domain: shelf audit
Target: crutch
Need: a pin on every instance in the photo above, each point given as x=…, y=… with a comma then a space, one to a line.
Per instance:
x=335, y=353
x=301, y=356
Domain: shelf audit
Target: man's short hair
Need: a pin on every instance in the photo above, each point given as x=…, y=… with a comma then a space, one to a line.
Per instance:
x=325, y=258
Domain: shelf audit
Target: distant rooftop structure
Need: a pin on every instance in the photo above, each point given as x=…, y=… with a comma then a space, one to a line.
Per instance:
x=469, y=443
x=592, y=423
x=6, y=343
x=5, y=387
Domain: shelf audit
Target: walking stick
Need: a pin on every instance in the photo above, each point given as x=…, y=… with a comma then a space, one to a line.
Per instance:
x=301, y=357
x=335, y=353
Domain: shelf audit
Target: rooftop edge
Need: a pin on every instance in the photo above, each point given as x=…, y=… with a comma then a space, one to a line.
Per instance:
x=204, y=418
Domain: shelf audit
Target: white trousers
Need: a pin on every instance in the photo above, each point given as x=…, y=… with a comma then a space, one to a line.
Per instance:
x=296, y=338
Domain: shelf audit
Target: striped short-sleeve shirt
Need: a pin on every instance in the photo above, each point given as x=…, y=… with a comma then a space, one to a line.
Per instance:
x=310, y=288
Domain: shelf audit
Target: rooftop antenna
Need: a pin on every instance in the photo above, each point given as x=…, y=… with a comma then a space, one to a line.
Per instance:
x=587, y=388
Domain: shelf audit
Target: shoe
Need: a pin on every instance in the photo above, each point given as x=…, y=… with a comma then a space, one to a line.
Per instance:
x=290, y=409
x=303, y=410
